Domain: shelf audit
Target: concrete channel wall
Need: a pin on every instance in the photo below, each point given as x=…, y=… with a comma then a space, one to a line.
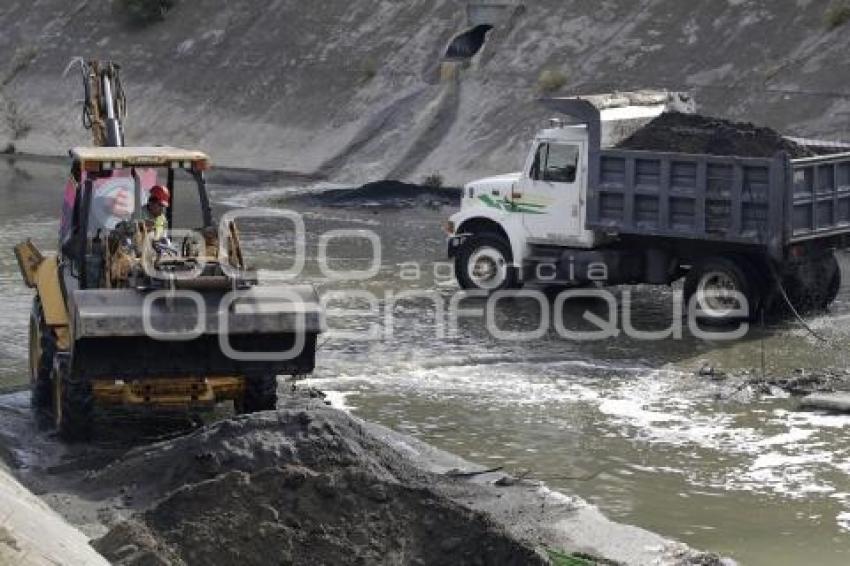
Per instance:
x=32, y=534
x=348, y=88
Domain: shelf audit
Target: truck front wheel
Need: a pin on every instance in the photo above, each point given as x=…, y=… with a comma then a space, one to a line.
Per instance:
x=483, y=262
x=717, y=286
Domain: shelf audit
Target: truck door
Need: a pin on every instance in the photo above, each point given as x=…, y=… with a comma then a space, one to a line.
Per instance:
x=551, y=198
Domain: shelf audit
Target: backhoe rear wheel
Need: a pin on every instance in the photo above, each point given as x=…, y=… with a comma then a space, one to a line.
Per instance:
x=260, y=395
x=73, y=402
x=42, y=348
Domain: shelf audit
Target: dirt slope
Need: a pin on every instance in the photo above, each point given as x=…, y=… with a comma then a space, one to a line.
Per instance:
x=353, y=89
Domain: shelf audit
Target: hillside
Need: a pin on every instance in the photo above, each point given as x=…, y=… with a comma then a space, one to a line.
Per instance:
x=357, y=90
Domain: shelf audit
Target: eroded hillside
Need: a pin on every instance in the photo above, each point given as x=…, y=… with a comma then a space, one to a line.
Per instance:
x=356, y=90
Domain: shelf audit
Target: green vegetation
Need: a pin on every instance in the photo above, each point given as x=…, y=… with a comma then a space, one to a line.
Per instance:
x=559, y=558
x=144, y=12
x=837, y=14
x=551, y=81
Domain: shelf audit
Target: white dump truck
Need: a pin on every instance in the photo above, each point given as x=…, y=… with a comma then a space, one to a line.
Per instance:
x=580, y=214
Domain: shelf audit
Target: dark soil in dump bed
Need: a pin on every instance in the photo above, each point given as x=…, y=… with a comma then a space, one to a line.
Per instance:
x=691, y=133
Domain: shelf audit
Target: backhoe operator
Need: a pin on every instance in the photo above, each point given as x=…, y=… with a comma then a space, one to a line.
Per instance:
x=154, y=211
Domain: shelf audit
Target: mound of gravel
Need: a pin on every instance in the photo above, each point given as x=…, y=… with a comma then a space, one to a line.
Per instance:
x=692, y=133
x=292, y=487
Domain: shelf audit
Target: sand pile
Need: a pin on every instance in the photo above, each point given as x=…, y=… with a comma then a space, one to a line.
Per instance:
x=303, y=487
x=692, y=133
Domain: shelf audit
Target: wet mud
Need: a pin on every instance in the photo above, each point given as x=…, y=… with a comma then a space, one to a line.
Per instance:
x=384, y=195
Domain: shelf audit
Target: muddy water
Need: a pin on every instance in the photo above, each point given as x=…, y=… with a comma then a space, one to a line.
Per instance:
x=622, y=422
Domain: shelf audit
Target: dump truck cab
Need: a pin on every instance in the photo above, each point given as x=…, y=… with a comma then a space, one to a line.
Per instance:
x=748, y=233
x=122, y=319
x=545, y=203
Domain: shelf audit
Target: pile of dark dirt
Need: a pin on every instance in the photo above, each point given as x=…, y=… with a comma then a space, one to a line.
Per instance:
x=291, y=487
x=388, y=194
x=295, y=515
x=692, y=133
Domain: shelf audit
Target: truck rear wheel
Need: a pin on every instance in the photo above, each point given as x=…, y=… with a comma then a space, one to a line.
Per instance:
x=833, y=275
x=716, y=284
x=260, y=395
x=73, y=402
x=42, y=347
x=813, y=286
x=483, y=262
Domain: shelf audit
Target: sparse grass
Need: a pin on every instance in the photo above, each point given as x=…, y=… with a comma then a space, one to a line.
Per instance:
x=837, y=14
x=144, y=12
x=370, y=71
x=433, y=181
x=20, y=61
x=17, y=124
x=551, y=81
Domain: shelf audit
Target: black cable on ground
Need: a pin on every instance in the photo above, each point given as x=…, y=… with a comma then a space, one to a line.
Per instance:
x=796, y=314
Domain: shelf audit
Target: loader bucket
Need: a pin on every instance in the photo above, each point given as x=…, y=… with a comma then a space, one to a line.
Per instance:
x=131, y=334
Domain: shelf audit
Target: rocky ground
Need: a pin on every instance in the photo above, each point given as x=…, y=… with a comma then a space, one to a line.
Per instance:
x=799, y=383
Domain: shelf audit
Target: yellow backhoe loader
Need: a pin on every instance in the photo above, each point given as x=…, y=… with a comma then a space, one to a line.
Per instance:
x=122, y=318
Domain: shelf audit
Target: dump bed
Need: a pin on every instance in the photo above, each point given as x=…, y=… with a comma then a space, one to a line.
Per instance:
x=750, y=201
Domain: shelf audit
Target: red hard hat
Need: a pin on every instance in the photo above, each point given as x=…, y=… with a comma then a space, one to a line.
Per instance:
x=160, y=194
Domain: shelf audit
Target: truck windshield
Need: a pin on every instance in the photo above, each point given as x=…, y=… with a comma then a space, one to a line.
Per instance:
x=555, y=163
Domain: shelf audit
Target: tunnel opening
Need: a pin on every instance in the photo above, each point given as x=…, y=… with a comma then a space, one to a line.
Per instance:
x=469, y=43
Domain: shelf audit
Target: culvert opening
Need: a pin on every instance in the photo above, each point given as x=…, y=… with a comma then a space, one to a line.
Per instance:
x=469, y=43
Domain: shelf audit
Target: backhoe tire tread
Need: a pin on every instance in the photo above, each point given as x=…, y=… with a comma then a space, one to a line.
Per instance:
x=260, y=395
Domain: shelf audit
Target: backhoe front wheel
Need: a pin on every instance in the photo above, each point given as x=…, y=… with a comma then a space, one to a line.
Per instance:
x=260, y=395
x=73, y=402
x=42, y=348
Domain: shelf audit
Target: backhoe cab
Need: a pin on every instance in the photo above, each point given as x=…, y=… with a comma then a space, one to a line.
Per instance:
x=123, y=319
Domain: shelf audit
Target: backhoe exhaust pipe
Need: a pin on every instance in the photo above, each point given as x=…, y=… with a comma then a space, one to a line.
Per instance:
x=114, y=131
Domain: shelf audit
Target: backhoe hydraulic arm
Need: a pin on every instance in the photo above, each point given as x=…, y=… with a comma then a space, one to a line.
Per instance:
x=104, y=102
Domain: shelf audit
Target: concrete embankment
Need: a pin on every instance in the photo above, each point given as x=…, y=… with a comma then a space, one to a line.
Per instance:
x=31, y=533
